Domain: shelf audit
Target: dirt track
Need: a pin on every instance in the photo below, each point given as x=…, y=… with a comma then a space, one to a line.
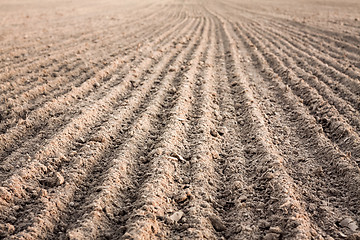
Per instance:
x=179, y=119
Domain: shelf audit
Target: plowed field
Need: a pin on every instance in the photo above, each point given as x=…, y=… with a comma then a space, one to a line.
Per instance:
x=179, y=119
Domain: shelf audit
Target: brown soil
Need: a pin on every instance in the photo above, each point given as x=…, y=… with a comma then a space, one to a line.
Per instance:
x=179, y=119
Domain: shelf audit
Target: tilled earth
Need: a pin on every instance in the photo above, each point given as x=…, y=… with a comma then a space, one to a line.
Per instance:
x=179, y=119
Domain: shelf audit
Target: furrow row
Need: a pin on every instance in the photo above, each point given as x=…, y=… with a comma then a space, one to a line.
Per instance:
x=307, y=72
x=36, y=118
x=332, y=163
x=323, y=160
x=263, y=162
x=330, y=67
x=58, y=45
x=107, y=205
x=54, y=63
x=152, y=201
x=56, y=147
x=333, y=123
x=325, y=47
x=51, y=89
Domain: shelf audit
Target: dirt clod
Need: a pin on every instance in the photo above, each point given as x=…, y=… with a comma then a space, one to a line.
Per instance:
x=59, y=179
x=181, y=197
x=264, y=224
x=349, y=223
x=177, y=216
x=275, y=230
x=217, y=223
x=213, y=132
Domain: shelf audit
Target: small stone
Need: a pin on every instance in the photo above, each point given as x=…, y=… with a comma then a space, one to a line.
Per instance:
x=242, y=198
x=269, y=175
x=181, y=197
x=178, y=156
x=188, y=193
x=213, y=133
x=63, y=158
x=172, y=90
x=246, y=228
x=204, y=205
x=217, y=223
x=177, y=216
x=12, y=219
x=59, y=179
x=349, y=223
x=264, y=224
x=72, y=153
x=275, y=230
x=43, y=193
x=193, y=211
x=237, y=185
x=100, y=139
x=222, y=131
x=353, y=226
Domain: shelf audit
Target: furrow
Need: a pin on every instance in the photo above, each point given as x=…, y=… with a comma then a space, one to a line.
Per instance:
x=341, y=162
x=291, y=62
x=330, y=35
x=312, y=161
x=58, y=145
x=337, y=40
x=329, y=67
x=58, y=122
x=20, y=110
x=36, y=117
x=42, y=59
x=307, y=151
x=94, y=222
x=152, y=200
x=287, y=26
x=56, y=201
x=332, y=122
x=265, y=166
x=197, y=178
x=58, y=46
x=179, y=119
x=342, y=45
x=235, y=198
x=74, y=53
x=61, y=117
x=327, y=49
x=75, y=50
